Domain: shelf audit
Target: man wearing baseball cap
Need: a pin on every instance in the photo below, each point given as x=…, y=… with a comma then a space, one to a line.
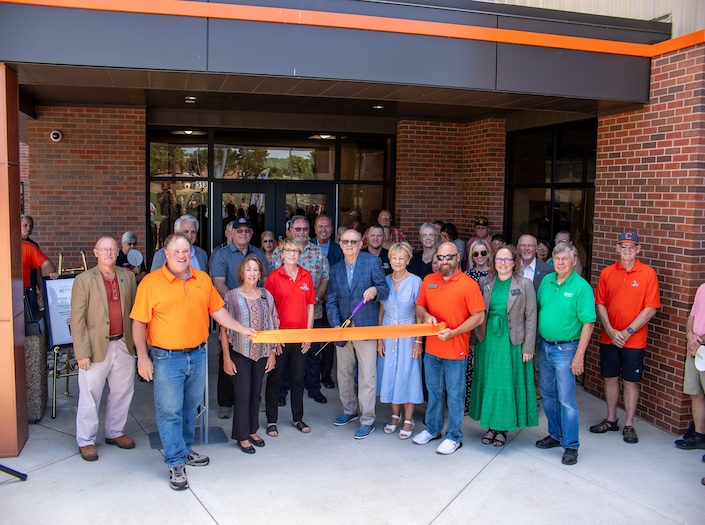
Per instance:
x=627, y=297
x=223, y=270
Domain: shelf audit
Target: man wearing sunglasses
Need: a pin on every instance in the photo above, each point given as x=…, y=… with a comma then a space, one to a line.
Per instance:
x=627, y=297
x=313, y=259
x=447, y=296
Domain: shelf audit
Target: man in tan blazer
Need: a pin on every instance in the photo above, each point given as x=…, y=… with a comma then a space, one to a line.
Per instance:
x=101, y=300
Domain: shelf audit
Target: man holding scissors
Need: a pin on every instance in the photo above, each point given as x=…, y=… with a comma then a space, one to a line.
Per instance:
x=357, y=278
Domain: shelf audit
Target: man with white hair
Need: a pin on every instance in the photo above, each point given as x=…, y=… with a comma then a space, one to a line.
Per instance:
x=188, y=226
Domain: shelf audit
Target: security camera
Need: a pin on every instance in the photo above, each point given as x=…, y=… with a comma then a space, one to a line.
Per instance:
x=56, y=135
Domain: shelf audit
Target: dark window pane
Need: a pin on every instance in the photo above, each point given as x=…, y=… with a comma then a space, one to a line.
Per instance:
x=529, y=157
x=360, y=204
x=364, y=159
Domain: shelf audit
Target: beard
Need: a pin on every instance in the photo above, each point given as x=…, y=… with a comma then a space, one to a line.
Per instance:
x=448, y=270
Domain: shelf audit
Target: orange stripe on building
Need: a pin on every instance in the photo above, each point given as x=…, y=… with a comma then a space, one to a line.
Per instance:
x=371, y=23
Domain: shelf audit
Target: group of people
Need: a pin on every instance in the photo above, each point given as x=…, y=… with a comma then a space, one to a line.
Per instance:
x=517, y=308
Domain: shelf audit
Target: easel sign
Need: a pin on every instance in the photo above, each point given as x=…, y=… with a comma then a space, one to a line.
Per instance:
x=57, y=309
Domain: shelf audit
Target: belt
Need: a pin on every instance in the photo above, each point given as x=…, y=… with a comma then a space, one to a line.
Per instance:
x=561, y=342
x=115, y=337
x=184, y=350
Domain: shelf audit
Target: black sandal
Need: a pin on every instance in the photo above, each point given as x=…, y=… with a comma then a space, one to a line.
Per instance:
x=487, y=440
x=500, y=442
x=272, y=431
x=302, y=427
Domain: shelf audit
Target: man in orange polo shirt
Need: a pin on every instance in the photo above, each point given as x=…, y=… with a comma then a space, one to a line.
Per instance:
x=170, y=316
x=451, y=297
x=627, y=297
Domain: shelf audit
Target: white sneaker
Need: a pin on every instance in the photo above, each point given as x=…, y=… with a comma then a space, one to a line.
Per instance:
x=448, y=446
x=424, y=437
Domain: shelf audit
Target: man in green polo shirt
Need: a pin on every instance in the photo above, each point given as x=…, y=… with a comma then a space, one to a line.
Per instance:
x=566, y=319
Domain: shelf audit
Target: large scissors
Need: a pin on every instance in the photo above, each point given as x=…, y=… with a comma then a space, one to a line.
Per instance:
x=345, y=324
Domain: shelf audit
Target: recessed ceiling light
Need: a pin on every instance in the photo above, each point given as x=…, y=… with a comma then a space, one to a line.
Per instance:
x=190, y=100
x=378, y=106
x=188, y=132
x=322, y=136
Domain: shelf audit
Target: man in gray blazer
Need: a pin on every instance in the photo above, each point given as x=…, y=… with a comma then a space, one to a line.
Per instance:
x=357, y=277
x=188, y=225
x=101, y=300
x=533, y=269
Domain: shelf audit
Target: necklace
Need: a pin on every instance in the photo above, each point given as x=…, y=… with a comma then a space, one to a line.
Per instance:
x=406, y=272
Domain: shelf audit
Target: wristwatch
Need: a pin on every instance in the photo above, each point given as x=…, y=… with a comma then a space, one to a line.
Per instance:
x=630, y=330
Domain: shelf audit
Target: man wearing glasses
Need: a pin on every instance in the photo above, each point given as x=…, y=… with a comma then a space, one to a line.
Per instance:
x=627, y=297
x=451, y=297
x=101, y=328
x=566, y=319
x=223, y=271
x=314, y=261
x=358, y=277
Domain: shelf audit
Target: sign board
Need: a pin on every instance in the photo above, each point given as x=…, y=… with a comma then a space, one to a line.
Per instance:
x=57, y=309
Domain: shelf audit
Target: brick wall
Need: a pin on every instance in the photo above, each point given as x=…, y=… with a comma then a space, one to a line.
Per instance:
x=24, y=170
x=449, y=171
x=91, y=183
x=651, y=178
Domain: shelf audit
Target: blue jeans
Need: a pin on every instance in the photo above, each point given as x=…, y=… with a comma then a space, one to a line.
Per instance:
x=557, y=386
x=179, y=385
x=438, y=371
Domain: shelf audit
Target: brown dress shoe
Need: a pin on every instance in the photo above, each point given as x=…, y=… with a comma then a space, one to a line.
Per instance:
x=89, y=452
x=121, y=441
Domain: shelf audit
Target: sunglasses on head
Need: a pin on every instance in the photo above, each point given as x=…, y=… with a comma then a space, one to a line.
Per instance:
x=479, y=254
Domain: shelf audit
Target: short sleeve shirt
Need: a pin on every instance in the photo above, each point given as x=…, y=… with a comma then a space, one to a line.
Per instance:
x=226, y=261
x=698, y=312
x=32, y=257
x=625, y=294
x=291, y=296
x=315, y=262
x=451, y=302
x=564, y=308
x=176, y=311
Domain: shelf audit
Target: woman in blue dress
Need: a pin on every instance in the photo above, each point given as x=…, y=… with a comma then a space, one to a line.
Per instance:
x=401, y=370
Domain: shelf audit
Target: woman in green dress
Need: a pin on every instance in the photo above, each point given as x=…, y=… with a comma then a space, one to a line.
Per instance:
x=503, y=395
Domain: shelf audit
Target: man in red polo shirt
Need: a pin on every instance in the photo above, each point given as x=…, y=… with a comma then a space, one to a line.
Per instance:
x=451, y=297
x=627, y=297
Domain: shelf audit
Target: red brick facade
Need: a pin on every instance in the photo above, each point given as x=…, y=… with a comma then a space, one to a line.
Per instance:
x=91, y=183
x=651, y=178
x=449, y=171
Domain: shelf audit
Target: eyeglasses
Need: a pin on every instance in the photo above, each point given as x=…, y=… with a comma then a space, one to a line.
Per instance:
x=267, y=240
x=449, y=257
x=524, y=246
x=541, y=249
x=423, y=235
x=130, y=243
x=291, y=251
x=304, y=229
x=348, y=241
x=479, y=254
x=242, y=231
x=628, y=247
x=108, y=250
x=503, y=261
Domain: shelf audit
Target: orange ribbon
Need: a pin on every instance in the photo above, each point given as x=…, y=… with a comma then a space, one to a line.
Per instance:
x=357, y=333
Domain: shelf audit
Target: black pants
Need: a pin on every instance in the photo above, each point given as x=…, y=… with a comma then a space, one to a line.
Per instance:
x=314, y=366
x=291, y=355
x=246, y=386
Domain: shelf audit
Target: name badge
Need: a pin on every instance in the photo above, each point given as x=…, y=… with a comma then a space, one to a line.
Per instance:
x=516, y=292
x=433, y=286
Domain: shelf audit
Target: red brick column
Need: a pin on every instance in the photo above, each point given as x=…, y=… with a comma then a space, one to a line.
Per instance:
x=650, y=179
x=449, y=171
x=89, y=184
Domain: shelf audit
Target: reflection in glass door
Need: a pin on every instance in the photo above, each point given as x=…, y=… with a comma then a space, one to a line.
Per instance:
x=235, y=200
x=309, y=200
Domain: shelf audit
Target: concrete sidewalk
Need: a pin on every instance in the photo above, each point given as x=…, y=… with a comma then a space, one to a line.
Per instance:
x=329, y=477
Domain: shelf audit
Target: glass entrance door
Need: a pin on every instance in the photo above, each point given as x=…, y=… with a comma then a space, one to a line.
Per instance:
x=269, y=205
